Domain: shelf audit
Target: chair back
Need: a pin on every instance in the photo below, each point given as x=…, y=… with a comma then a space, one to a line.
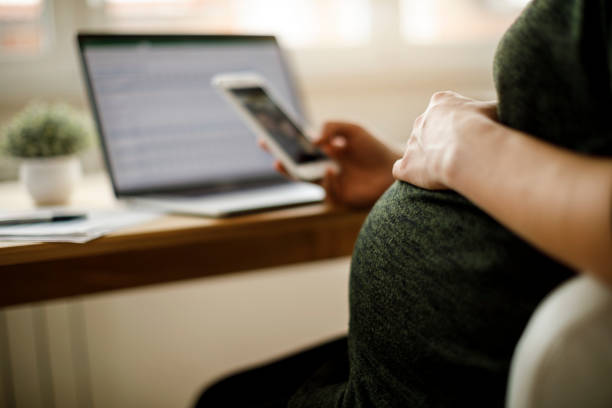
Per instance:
x=564, y=357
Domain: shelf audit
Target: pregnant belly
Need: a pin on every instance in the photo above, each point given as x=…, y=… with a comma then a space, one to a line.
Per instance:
x=439, y=291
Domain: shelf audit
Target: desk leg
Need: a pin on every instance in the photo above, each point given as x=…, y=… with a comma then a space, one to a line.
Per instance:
x=6, y=370
x=80, y=354
x=40, y=357
x=43, y=355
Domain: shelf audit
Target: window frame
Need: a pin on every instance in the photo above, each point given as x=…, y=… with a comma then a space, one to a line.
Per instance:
x=46, y=23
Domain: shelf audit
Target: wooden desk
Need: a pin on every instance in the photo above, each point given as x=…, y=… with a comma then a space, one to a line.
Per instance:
x=169, y=249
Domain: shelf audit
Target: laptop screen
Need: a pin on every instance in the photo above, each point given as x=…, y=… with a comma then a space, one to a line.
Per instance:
x=163, y=126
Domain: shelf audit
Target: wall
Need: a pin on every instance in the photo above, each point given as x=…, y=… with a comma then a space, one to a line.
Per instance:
x=384, y=83
x=156, y=347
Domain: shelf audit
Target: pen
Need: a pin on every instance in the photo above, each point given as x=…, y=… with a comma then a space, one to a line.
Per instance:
x=6, y=221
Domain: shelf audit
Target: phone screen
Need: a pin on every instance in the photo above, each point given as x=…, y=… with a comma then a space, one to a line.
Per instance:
x=278, y=125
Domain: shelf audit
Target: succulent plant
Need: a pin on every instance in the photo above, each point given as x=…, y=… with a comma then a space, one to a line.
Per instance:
x=46, y=130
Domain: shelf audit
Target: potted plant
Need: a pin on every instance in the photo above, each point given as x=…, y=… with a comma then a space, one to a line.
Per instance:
x=46, y=137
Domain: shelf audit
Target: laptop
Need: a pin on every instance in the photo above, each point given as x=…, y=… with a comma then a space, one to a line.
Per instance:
x=170, y=141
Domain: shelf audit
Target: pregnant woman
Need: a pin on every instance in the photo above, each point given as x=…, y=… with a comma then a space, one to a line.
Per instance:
x=490, y=206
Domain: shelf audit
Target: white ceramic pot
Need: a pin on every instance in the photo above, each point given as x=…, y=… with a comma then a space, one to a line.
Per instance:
x=51, y=181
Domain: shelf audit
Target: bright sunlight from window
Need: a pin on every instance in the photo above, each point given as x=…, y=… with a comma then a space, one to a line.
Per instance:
x=22, y=28
x=456, y=21
x=299, y=23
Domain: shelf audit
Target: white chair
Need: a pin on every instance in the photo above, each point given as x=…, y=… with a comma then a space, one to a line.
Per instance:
x=564, y=357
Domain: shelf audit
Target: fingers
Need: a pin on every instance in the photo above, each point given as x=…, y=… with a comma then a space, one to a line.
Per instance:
x=418, y=121
x=442, y=96
x=415, y=167
x=405, y=169
x=326, y=184
x=489, y=108
x=449, y=98
x=330, y=185
x=262, y=144
x=335, y=137
x=335, y=148
x=278, y=166
x=397, y=169
x=333, y=130
x=338, y=143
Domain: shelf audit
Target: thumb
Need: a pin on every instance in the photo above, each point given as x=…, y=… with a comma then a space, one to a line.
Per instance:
x=335, y=147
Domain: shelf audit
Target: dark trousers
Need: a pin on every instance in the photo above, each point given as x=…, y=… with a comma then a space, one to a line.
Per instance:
x=272, y=385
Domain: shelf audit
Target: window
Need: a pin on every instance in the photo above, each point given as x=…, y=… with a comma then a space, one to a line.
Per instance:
x=373, y=40
x=25, y=26
x=456, y=21
x=321, y=23
x=298, y=23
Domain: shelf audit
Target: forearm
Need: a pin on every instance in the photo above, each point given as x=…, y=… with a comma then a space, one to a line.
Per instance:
x=559, y=201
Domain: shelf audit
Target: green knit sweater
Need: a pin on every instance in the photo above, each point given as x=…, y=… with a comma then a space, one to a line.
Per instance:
x=439, y=291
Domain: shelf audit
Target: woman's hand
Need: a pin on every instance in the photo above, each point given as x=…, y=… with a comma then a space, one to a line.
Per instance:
x=438, y=134
x=365, y=164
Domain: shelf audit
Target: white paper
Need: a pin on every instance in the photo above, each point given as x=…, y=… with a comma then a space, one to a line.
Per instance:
x=96, y=224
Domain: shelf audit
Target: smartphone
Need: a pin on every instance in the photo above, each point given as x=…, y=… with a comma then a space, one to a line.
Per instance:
x=257, y=105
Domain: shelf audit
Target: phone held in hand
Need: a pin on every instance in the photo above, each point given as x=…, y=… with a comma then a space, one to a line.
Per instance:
x=256, y=103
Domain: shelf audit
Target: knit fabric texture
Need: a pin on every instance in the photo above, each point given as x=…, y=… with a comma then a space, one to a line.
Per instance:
x=439, y=291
